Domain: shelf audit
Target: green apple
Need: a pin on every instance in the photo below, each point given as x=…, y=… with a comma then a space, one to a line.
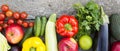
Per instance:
x=85, y=42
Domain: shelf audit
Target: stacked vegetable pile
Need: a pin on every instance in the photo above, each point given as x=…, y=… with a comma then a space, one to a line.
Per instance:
x=90, y=19
x=30, y=36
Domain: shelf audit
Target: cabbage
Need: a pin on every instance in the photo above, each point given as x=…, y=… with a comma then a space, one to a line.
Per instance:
x=4, y=46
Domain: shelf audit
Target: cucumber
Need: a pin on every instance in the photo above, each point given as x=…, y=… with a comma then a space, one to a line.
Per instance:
x=37, y=26
x=28, y=33
x=35, y=22
x=50, y=34
x=44, y=21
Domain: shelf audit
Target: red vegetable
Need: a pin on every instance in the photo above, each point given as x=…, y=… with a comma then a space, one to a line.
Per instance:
x=115, y=46
x=25, y=24
x=1, y=22
x=5, y=25
x=23, y=15
x=10, y=21
x=67, y=26
x=16, y=15
x=19, y=22
x=68, y=44
x=4, y=8
x=2, y=16
x=31, y=24
x=9, y=13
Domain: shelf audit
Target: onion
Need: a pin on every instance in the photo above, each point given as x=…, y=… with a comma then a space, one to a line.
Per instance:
x=116, y=46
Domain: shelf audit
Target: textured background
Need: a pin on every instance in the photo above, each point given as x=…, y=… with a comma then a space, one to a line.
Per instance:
x=47, y=7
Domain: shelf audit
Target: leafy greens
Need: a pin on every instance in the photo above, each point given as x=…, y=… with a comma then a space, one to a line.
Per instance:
x=89, y=18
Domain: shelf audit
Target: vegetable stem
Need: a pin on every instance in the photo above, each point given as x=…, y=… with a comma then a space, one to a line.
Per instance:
x=52, y=19
x=68, y=27
x=32, y=49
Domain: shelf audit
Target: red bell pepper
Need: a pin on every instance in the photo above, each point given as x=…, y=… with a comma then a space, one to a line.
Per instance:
x=67, y=26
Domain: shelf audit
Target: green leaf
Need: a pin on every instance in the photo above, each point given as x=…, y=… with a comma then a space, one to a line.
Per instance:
x=88, y=28
x=77, y=6
x=97, y=26
x=89, y=18
x=91, y=5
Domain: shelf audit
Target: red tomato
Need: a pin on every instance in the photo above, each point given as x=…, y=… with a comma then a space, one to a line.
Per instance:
x=10, y=21
x=2, y=16
x=23, y=15
x=25, y=24
x=1, y=22
x=31, y=24
x=1, y=28
x=16, y=15
x=19, y=22
x=5, y=25
x=9, y=13
x=4, y=8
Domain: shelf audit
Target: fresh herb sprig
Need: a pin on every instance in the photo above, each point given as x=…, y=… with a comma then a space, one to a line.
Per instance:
x=89, y=18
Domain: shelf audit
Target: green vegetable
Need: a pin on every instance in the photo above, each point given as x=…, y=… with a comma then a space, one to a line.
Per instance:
x=28, y=33
x=50, y=34
x=89, y=18
x=4, y=46
x=37, y=26
x=44, y=21
x=104, y=16
x=115, y=26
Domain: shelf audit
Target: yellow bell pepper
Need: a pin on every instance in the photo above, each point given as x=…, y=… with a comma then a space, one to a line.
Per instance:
x=33, y=44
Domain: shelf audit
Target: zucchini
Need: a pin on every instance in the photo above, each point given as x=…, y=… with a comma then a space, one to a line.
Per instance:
x=44, y=21
x=28, y=33
x=50, y=34
x=37, y=26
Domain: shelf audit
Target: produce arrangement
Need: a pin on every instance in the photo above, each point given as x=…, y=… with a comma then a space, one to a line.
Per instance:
x=41, y=34
x=114, y=32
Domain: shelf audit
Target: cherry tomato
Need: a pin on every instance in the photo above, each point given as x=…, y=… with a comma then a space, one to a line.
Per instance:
x=1, y=28
x=31, y=24
x=19, y=22
x=9, y=13
x=10, y=21
x=1, y=22
x=4, y=8
x=16, y=15
x=5, y=25
x=25, y=24
x=2, y=16
x=23, y=15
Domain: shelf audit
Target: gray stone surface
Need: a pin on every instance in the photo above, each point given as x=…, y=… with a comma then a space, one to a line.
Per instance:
x=47, y=7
